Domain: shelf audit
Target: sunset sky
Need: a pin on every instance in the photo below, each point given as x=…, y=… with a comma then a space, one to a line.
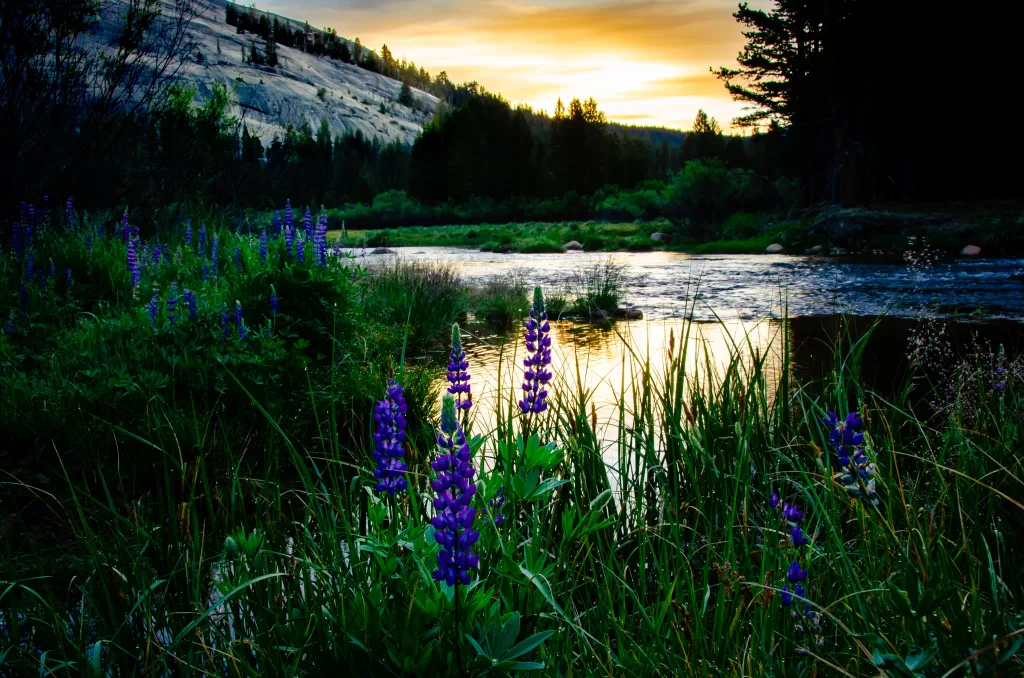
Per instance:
x=646, y=62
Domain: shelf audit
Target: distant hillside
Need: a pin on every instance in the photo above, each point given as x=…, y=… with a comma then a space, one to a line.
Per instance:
x=302, y=87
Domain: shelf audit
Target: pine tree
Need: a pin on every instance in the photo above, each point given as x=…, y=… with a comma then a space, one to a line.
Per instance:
x=271, y=51
x=405, y=96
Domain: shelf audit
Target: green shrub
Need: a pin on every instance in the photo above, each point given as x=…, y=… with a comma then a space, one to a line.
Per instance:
x=741, y=225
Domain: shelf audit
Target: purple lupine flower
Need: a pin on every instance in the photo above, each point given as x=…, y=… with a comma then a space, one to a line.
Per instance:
x=240, y=321
x=1000, y=373
x=191, y=303
x=16, y=240
x=202, y=240
x=158, y=252
x=237, y=257
x=774, y=501
x=458, y=377
x=125, y=228
x=538, y=347
x=453, y=522
x=792, y=513
x=172, y=303
x=263, y=246
x=389, y=440
x=300, y=251
x=225, y=324
x=844, y=436
x=497, y=501
x=795, y=574
x=26, y=235
x=289, y=239
x=307, y=223
x=787, y=596
x=69, y=213
x=30, y=260
x=321, y=236
x=273, y=302
x=288, y=213
x=797, y=535
x=154, y=309
x=188, y=232
x=214, y=247
x=133, y=261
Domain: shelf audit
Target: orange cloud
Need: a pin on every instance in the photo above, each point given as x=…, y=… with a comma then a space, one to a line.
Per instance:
x=645, y=61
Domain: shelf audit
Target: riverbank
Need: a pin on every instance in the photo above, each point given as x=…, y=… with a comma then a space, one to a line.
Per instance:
x=994, y=229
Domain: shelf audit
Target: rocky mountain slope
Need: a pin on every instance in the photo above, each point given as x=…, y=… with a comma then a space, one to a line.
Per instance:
x=302, y=87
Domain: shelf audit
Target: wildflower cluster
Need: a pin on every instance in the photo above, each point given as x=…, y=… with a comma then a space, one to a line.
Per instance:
x=458, y=377
x=538, y=346
x=808, y=621
x=856, y=472
x=389, y=440
x=453, y=522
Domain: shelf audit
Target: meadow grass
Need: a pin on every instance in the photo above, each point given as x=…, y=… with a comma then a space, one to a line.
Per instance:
x=231, y=529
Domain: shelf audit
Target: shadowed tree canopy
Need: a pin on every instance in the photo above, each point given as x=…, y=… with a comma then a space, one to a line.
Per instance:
x=872, y=96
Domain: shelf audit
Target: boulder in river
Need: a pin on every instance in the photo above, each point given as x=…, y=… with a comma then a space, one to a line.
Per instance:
x=970, y=251
x=382, y=250
x=774, y=248
x=817, y=249
x=661, y=237
x=628, y=313
x=572, y=246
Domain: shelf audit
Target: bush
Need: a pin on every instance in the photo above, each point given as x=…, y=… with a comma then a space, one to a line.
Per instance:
x=741, y=225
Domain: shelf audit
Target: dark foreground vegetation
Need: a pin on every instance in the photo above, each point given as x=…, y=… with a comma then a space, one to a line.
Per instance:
x=188, y=490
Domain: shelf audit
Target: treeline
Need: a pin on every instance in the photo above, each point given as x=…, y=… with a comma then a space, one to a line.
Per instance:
x=883, y=101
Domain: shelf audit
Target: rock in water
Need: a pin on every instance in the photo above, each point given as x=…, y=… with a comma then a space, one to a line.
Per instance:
x=661, y=237
x=774, y=248
x=817, y=249
x=970, y=251
x=382, y=250
x=572, y=246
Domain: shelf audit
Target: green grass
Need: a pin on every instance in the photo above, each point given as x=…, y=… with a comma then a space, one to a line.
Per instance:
x=522, y=237
x=178, y=505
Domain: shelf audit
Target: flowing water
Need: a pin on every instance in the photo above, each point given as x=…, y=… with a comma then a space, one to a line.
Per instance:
x=730, y=305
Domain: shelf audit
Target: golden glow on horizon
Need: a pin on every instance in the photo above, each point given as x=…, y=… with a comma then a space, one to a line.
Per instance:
x=645, y=62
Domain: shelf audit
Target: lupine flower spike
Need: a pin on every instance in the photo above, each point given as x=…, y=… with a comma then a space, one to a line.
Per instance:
x=389, y=440
x=273, y=302
x=855, y=466
x=263, y=246
x=453, y=523
x=538, y=347
x=154, y=309
x=191, y=303
x=458, y=377
x=240, y=321
x=172, y=304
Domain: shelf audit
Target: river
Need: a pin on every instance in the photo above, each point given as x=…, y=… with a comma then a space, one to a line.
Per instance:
x=741, y=306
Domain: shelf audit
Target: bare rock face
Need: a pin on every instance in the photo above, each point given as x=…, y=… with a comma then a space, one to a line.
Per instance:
x=774, y=248
x=301, y=90
x=970, y=251
x=661, y=237
x=572, y=246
